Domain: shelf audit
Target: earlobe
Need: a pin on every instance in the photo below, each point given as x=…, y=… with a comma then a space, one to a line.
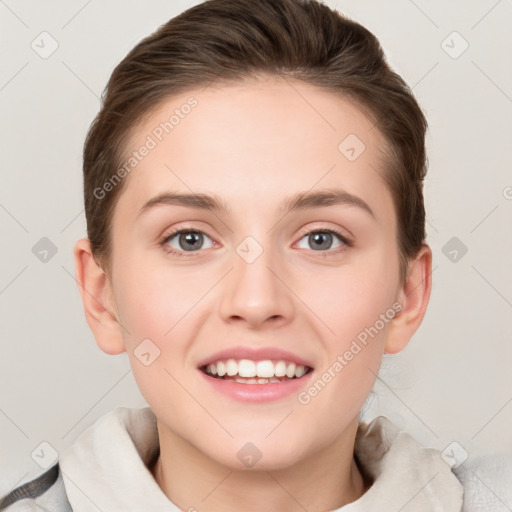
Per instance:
x=414, y=298
x=97, y=300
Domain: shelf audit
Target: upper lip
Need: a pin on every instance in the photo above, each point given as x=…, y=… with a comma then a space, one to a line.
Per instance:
x=254, y=354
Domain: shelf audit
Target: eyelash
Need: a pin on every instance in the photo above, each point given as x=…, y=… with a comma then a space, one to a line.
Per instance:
x=168, y=236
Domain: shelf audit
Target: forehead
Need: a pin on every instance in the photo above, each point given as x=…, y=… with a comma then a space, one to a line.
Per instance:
x=253, y=143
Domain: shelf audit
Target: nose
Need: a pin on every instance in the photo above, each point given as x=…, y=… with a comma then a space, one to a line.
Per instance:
x=256, y=293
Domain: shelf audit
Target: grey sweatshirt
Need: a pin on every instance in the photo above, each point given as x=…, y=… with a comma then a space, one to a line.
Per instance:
x=91, y=475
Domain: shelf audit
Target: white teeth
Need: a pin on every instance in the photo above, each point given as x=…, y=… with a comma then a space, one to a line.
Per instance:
x=265, y=369
x=246, y=368
x=290, y=371
x=221, y=369
x=261, y=372
x=231, y=367
x=300, y=371
x=280, y=369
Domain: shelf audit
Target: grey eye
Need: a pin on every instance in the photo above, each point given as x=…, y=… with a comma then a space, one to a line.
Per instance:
x=187, y=240
x=320, y=240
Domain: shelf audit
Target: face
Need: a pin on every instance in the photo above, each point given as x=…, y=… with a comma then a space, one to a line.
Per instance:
x=285, y=261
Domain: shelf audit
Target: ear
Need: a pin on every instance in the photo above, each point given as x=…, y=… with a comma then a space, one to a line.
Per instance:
x=414, y=296
x=97, y=297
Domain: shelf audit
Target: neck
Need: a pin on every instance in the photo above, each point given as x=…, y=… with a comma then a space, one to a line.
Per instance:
x=326, y=480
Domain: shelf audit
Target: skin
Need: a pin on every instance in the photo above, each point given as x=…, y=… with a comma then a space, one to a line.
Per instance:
x=253, y=144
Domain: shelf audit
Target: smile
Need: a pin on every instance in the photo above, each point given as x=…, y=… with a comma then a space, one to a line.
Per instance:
x=247, y=371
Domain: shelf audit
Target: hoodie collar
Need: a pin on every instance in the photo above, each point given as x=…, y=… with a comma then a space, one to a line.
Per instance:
x=406, y=476
x=107, y=468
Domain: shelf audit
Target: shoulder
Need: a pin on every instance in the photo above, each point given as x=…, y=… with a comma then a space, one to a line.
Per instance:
x=46, y=492
x=487, y=482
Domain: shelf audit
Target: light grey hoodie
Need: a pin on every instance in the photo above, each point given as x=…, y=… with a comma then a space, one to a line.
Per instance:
x=106, y=469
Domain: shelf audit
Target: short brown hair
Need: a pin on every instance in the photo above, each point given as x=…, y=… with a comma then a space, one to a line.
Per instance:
x=229, y=40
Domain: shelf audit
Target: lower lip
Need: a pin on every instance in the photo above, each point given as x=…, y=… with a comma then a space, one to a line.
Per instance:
x=257, y=392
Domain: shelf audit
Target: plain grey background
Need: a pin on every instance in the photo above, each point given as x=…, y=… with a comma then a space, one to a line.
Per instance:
x=454, y=381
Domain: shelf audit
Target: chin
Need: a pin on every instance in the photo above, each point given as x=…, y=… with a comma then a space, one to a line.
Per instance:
x=260, y=454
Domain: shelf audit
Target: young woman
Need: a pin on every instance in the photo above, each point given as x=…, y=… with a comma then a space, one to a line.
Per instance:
x=256, y=243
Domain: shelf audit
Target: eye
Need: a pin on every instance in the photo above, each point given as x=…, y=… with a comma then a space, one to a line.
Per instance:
x=185, y=240
x=322, y=240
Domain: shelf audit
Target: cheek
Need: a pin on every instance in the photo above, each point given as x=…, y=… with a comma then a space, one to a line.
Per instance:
x=148, y=309
x=355, y=304
x=350, y=299
x=153, y=308
x=153, y=301
x=354, y=353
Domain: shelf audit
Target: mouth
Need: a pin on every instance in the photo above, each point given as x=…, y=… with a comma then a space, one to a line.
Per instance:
x=256, y=375
x=249, y=371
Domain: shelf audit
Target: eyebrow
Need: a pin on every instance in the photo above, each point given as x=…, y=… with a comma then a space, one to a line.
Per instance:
x=300, y=201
